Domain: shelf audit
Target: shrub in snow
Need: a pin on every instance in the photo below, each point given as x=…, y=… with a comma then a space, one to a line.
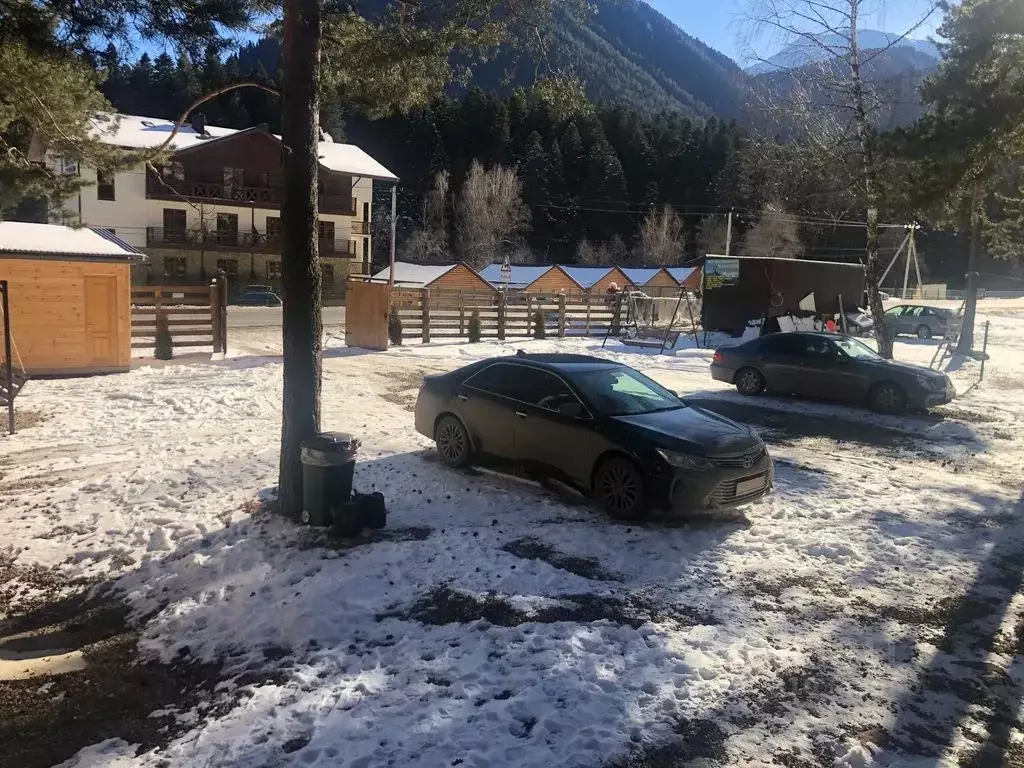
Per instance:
x=539, y=331
x=395, y=329
x=474, y=326
x=164, y=344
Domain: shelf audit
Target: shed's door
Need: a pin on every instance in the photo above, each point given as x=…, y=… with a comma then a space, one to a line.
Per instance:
x=101, y=319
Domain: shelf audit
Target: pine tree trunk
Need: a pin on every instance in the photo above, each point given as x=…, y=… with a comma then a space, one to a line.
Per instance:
x=300, y=261
x=873, y=267
x=966, y=344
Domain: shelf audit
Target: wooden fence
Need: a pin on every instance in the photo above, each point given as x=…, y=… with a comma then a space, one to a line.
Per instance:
x=196, y=315
x=429, y=314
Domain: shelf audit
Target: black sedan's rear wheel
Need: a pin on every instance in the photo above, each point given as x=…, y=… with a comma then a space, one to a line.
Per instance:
x=453, y=443
x=619, y=488
x=749, y=381
x=887, y=397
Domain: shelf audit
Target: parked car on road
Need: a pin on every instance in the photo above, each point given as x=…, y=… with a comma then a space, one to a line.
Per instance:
x=258, y=296
x=917, y=320
x=829, y=366
x=599, y=426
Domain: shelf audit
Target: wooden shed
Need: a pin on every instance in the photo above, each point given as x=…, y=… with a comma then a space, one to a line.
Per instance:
x=454, y=277
x=70, y=297
x=686, y=277
x=596, y=280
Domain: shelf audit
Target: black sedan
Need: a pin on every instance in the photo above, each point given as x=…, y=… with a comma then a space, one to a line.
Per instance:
x=831, y=367
x=599, y=426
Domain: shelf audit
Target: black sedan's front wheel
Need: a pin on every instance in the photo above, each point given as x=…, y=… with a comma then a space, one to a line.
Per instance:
x=619, y=488
x=453, y=443
x=887, y=397
x=749, y=381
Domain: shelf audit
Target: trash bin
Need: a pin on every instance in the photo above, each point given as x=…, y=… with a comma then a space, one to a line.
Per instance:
x=328, y=464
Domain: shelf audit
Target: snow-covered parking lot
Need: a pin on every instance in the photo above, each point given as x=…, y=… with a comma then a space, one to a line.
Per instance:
x=870, y=612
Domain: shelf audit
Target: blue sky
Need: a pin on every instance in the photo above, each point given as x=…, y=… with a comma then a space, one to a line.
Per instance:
x=719, y=23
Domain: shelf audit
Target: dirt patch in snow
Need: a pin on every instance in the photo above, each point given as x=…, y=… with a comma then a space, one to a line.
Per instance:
x=693, y=740
x=534, y=549
x=447, y=606
x=47, y=719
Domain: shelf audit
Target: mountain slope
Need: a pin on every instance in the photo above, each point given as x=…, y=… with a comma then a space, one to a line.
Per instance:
x=803, y=52
x=626, y=53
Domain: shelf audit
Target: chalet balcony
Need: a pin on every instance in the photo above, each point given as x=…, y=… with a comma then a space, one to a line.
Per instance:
x=216, y=192
x=238, y=242
x=360, y=228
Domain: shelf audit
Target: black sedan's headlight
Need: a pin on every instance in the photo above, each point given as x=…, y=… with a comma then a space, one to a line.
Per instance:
x=686, y=461
x=934, y=383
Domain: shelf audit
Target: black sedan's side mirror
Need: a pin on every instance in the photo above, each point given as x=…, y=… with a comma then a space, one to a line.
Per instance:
x=572, y=410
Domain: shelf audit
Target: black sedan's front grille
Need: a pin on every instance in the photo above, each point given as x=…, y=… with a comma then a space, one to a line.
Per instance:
x=740, y=461
x=727, y=493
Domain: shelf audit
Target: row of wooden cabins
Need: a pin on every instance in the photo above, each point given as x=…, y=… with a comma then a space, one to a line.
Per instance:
x=549, y=279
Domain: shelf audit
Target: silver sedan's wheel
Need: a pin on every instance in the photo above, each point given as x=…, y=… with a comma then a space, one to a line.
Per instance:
x=924, y=332
x=749, y=382
x=619, y=488
x=453, y=444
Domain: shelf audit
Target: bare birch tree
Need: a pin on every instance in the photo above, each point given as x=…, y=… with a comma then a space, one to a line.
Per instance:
x=775, y=234
x=827, y=101
x=432, y=241
x=490, y=214
x=661, y=237
x=712, y=234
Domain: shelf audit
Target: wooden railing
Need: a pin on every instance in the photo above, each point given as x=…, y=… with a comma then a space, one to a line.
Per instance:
x=238, y=194
x=196, y=314
x=215, y=240
x=439, y=313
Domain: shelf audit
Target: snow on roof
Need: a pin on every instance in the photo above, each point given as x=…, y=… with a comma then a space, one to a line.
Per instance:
x=640, y=275
x=415, y=275
x=681, y=274
x=521, y=276
x=586, y=276
x=58, y=240
x=137, y=132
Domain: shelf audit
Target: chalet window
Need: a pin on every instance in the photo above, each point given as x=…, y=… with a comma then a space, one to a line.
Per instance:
x=174, y=266
x=234, y=179
x=273, y=229
x=174, y=225
x=229, y=267
x=327, y=231
x=366, y=247
x=274, y=270
x=327, y=271
x=227, y=228
x=174, y=171
x=104, y=185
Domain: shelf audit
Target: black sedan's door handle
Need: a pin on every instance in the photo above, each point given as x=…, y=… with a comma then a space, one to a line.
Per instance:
x=520, y=415
x=463, y=398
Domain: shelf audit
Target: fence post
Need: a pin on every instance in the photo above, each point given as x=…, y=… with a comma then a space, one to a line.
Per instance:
x=561, y=315
x=462, y=315
x=215, y=315
x=529, y=315
x=5, y=307
x=425, y=299
x=222, y=285
x=984, y=352
x=586, y=327
x=501, y=316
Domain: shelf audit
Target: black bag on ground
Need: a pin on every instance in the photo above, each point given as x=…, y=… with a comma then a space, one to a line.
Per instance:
x=363, y=511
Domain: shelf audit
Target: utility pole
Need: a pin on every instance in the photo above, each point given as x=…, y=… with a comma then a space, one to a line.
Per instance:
x=728, y=234
x=394, y=230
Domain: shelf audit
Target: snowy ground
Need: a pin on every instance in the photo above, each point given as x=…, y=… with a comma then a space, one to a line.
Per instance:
x=868, y=613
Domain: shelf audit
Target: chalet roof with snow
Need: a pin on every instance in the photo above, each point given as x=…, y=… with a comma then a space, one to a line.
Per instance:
x=681, y=274
x=408, y=275
x=586, y=277
x=521, y=277
x=137, y=132
x=56, y=241
x=640, y=275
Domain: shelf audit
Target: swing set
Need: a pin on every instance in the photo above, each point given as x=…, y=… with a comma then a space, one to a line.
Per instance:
x=11, y=379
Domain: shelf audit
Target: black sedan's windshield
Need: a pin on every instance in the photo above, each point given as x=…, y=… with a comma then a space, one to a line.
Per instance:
x=624, y=392
x=856, y=349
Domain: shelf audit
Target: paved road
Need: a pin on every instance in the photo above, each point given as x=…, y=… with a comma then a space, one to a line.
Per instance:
x=270, y=317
